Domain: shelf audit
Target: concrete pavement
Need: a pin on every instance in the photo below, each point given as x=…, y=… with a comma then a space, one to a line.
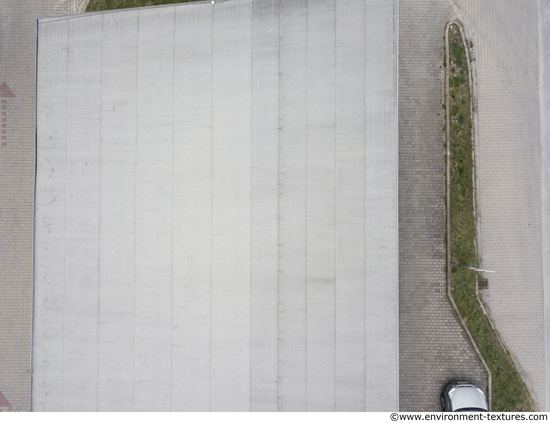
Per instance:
x=216, y=211
x=17, y=68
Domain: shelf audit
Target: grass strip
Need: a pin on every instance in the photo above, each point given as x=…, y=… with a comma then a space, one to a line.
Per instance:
x=99, y=5
x=509, y=390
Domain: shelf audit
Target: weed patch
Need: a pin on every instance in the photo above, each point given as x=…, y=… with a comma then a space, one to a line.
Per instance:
x=509, y=391
x=99, y=5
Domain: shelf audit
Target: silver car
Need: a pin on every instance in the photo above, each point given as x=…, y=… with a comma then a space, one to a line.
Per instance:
x=463, y=396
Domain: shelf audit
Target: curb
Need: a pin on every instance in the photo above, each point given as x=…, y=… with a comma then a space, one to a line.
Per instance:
x=82, y=7
x=475, y=183
x=448, y=217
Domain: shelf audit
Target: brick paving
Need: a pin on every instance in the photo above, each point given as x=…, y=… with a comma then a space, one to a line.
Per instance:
x=505, y=37
x=433, y=349
x=17, y=81
x=544, y=97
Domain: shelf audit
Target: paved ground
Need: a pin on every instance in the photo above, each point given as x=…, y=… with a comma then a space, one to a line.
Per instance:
x=421, y=274
x=505, y=36
x=432, y=346
x=17, y=81
x=544, y=90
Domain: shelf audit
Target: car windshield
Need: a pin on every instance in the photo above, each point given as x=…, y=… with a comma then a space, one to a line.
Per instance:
x=474, y=410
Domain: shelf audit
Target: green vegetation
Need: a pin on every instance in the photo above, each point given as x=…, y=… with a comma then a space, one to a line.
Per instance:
x=98, y=5
x=509, y=391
